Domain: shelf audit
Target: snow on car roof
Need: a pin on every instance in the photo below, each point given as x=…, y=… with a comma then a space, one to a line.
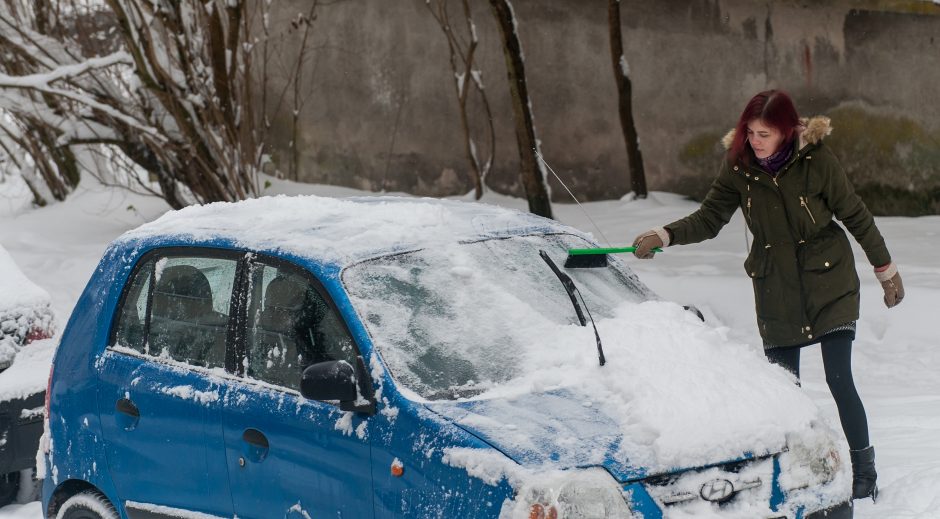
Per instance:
x=341, y=231
x=16, y=290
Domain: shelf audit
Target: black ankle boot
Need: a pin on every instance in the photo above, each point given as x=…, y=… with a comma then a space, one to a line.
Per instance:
x=863, y=474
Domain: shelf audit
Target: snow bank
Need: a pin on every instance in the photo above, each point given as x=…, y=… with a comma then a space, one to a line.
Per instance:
x=16, y=290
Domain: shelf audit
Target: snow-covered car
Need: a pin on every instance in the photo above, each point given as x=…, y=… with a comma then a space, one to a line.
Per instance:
x=26, y=319
x=381, y=357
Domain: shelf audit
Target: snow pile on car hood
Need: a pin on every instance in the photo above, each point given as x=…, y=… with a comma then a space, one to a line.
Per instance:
x=675, y=393
x=339, y=230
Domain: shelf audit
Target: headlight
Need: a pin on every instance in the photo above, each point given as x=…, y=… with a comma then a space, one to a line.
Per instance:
x=802, y=465
x=583, y=494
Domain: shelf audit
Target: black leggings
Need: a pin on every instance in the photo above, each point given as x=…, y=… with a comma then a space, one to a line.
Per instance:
x=837, y=359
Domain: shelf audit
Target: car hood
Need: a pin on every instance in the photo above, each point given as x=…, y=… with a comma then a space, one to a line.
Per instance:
x=558, y=429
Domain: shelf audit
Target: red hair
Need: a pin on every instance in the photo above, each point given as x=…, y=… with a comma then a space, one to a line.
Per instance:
x=772, y=107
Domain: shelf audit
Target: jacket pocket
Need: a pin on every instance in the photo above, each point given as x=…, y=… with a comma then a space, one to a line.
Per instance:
x=822, y=253
x=829, y=281
x=757, y=264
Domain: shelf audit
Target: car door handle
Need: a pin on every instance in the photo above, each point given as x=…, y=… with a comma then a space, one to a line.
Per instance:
x=255, y=438
x=127, y=407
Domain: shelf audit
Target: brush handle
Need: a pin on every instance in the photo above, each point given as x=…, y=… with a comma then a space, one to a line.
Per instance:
x=615, y=250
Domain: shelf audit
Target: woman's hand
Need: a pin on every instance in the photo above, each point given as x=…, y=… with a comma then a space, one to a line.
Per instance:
x=646, y=242
x=894, y=290
x=891, y=283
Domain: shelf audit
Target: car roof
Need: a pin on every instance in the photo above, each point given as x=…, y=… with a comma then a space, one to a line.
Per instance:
x=338, y=231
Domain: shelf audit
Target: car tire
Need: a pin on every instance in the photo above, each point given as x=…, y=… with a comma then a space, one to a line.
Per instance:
x=9, y=487
x=89, y=504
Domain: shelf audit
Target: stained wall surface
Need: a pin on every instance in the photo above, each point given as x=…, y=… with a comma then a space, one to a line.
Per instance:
x=380, y=107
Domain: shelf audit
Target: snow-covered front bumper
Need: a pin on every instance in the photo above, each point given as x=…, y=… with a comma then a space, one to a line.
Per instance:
x=754, y=488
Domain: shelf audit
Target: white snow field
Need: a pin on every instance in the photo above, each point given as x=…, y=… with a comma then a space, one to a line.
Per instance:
x=896, y=352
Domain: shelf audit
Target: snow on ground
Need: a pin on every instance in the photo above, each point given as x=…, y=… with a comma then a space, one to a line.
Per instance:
x=896, y=353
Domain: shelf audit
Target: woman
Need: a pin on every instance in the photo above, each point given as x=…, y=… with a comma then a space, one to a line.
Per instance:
x=790, y=186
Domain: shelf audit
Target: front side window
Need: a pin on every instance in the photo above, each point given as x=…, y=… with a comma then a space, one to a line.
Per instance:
x=290, y=326
x=178, y=307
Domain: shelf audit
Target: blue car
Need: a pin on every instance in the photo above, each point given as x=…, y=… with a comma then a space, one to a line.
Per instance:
x=307, y=357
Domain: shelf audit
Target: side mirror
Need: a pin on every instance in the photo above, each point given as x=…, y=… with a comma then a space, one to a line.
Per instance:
x=330, y=380
x=335, y=380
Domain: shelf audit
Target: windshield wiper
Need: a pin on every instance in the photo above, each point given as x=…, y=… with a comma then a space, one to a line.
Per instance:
x=570, y=288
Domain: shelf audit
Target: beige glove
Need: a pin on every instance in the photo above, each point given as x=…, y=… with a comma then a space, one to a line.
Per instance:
x=646, y=242
x=891, y=283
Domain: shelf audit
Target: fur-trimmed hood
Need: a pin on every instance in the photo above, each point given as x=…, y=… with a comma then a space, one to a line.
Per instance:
x=812, y=130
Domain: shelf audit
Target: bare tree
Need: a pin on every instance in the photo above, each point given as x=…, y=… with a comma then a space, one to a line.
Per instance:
x=302, y=24
x=462, y=55
x=25, y=138
x=624, y=101
x=286, y=55
x=531, y=169
x=176, y=96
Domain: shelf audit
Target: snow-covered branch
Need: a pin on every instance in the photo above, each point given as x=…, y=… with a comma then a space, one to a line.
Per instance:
x=42, y=80
x=174, y=91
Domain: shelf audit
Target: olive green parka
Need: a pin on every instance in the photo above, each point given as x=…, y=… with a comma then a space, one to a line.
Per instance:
x=801, y=261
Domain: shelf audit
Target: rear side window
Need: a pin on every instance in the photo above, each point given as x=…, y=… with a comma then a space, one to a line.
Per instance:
x=178, y=307
x=131, y=329
x=290, y=326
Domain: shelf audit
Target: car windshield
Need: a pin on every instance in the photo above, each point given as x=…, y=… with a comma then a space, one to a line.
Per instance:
x=454, y=321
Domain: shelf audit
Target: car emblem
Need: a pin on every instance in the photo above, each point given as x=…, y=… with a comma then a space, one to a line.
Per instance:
x=717, y=490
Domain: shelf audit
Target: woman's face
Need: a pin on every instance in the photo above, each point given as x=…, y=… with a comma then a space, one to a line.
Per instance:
x=765, y=140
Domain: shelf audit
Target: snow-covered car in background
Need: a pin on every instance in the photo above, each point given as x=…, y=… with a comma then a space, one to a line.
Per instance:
x=313, y=357
x=26, y=319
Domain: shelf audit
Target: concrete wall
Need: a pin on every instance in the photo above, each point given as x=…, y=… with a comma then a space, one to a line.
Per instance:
x=382, y=111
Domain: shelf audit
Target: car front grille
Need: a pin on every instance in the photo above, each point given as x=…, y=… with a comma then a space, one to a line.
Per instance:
x=721, y=485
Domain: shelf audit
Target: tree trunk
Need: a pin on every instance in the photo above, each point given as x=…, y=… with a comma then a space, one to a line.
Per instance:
x=143, y=156
x=625, y=103
x=533, y=178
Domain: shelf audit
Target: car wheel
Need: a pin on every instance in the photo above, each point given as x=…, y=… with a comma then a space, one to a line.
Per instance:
x=9, y=487
x=89, y=504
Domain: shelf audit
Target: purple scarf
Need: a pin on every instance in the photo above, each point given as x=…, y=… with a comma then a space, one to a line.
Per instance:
x=773, y=163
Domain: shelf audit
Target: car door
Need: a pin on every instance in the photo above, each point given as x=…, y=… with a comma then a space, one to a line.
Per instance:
x=159, y=386
x=289, y=456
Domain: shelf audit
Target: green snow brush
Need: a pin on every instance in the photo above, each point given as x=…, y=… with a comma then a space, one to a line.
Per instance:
x=594, y=258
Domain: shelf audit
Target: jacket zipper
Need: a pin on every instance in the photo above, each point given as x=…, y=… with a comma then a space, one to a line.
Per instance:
x=805, y=206
x=749, y=204
x=796, y=253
